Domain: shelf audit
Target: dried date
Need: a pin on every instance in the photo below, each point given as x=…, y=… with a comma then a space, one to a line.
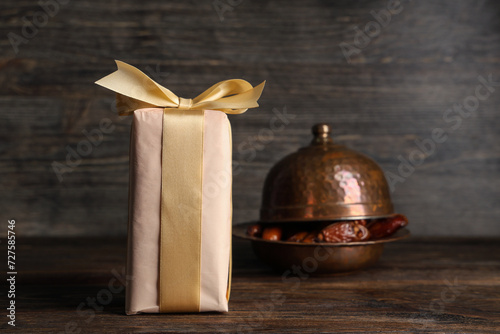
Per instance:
x=344, y=232
x=298, y=237
x=311, y=237
x=272, y=233
x=255, y=230
x=388, y=226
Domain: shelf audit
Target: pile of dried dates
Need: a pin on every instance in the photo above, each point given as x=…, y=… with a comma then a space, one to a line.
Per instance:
x=338, y=232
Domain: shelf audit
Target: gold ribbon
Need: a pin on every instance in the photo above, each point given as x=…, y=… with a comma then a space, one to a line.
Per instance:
x=182, y=171
x=136, y=90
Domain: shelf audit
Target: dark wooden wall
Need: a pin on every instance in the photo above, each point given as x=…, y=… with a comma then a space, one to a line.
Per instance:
x=394, y=91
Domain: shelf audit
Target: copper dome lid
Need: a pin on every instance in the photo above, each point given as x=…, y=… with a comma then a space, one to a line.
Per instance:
x=325, y=181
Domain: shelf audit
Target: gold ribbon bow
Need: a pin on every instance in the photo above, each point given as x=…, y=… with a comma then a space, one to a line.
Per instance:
x=182, y=169
x=136, y=90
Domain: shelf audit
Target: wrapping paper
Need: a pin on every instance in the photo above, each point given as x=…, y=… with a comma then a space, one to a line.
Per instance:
x=144, y=212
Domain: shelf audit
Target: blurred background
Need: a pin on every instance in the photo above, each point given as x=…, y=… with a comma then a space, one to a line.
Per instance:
x=412, y=84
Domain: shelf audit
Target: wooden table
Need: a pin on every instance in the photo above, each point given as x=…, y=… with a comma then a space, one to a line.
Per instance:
x=436, y=285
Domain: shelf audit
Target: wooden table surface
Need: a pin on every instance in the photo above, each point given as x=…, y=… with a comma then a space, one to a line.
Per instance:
x=427, y=285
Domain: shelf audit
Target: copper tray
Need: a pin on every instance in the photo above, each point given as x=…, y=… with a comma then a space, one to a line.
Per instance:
x=318, y=258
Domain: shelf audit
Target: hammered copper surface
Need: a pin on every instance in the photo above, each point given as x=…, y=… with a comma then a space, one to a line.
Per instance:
x=325, y=181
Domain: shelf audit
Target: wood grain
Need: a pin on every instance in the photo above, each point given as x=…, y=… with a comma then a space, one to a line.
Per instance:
x=395, y=91
x=419, y=285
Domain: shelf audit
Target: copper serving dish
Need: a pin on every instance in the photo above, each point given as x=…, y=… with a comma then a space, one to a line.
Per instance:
x=323, y=182
x=321, y=258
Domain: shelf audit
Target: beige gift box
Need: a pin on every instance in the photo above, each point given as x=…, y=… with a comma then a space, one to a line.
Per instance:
x=179, y=229
x=144, y=212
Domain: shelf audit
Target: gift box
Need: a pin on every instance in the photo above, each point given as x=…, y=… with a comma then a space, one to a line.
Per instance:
x=179, y=229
